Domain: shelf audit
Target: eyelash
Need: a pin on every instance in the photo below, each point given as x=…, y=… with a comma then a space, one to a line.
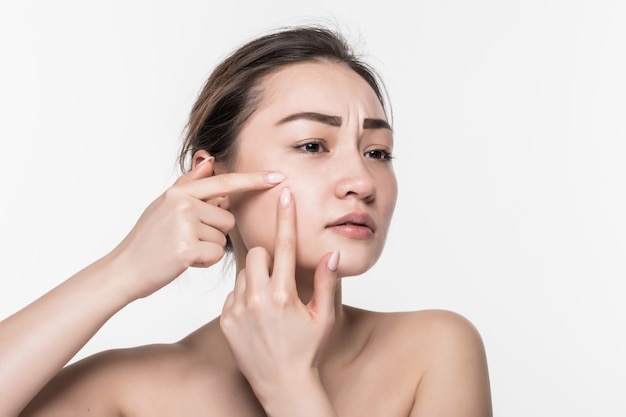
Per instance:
x=385, y=154
x=322, y=146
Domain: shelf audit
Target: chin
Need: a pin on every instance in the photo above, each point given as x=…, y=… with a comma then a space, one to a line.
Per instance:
x=351, y=262
x=345, y=272
x=351, y=265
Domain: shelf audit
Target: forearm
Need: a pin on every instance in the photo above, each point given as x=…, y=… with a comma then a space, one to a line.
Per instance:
x=40, y=339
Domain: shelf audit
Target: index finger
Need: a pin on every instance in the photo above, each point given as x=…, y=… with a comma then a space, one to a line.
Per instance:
x=284, y=269
x=233, y=182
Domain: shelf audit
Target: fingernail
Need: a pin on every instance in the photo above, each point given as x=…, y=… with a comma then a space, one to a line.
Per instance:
x=333, y=261
x=285, y=197
x=274, y=177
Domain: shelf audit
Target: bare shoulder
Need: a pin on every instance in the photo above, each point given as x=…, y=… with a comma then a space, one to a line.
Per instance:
x=112, y=383
x=424, y=329
x=445, y=354
x=455, y=379
x=434, y=329
x=196, y=376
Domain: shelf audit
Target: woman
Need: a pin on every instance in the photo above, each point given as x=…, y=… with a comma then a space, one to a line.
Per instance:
x=290, y=152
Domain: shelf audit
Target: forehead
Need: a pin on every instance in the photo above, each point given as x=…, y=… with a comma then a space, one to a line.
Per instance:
x=320, y=86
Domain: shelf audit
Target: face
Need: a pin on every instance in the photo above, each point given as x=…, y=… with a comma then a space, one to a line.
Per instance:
x=322, y=126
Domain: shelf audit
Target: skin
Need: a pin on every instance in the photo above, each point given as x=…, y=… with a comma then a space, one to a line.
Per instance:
x=285, y=344
x=63, y=320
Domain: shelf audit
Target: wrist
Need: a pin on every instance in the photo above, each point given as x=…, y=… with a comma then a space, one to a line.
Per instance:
x=112, y=279
x=298, y=394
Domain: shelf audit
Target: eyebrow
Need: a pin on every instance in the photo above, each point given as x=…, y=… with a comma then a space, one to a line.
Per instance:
x=334, y=121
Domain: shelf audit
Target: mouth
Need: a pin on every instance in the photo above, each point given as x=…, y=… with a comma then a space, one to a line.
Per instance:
x=357, y=225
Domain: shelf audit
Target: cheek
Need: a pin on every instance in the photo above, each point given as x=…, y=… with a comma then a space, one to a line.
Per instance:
x=308, y=196
x=393, y=198
x=255, y=217
x=389, y=194
x=255, y=214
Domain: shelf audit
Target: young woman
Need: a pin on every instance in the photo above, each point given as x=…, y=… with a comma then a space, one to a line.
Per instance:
x=290, y=151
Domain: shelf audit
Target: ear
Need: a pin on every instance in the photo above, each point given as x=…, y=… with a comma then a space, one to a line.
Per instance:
x=198, y=157
x=202, y=155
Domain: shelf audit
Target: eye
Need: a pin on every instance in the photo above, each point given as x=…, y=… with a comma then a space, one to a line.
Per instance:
x=314, y=146
x=381, y=154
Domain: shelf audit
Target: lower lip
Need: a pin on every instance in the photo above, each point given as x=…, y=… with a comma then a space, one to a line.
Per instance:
x=352, y=231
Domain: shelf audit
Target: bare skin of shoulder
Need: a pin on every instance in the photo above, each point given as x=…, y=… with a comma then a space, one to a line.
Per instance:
x=385, y=364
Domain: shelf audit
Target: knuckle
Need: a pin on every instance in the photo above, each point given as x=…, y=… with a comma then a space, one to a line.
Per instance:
x=229, y=221
x=212, y=255
x=183, y=205
x=218, y=250
x=226, y=321
x=280, y=298
x=237, y=310
x=255, y=302
x=185, y=251
x=171, y=194
x=223, y=241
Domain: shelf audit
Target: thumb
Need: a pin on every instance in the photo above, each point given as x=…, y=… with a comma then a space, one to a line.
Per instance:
x=203, y=169
x=325, y=285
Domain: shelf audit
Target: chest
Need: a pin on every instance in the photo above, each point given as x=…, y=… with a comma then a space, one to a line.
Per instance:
x=373, y=389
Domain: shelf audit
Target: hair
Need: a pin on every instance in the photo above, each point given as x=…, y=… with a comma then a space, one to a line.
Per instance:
x=232, y=92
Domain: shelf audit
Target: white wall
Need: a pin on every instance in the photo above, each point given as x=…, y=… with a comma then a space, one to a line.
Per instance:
x=510, y=122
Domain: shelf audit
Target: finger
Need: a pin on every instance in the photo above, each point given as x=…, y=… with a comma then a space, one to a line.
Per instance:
x=258, y=263
x=216, y=217
x=202, y=170
x=240, y=285
x=325, y=285
x=209, y=253
x=230, y=299
x=218, y=185
x=211, y=234
x=212, y=216
x=226, y=319
x=283, y=274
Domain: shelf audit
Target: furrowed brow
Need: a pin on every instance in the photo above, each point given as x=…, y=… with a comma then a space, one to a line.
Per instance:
x=376, y=124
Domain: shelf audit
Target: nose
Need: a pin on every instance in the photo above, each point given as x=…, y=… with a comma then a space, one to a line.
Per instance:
x=355, y=179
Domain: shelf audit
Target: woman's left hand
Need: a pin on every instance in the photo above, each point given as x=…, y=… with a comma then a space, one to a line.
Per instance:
x=275, y=337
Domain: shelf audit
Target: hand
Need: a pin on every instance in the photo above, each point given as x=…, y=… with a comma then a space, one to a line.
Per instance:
x=183, y=227
x=276, y=338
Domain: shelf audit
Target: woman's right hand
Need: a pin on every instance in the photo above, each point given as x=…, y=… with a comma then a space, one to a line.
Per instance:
x=183, y=227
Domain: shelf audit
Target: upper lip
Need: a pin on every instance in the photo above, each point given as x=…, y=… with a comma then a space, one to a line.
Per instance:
x=358, y=218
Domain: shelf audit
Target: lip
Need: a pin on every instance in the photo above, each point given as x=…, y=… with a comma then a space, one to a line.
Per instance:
x=355, y=224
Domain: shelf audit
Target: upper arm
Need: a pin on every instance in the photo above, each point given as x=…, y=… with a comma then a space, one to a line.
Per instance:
x=455, y=381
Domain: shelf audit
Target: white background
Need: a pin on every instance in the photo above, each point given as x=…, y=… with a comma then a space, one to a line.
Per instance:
x=510, y=120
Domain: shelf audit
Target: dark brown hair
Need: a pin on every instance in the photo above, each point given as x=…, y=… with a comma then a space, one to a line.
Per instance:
x=231, y=94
